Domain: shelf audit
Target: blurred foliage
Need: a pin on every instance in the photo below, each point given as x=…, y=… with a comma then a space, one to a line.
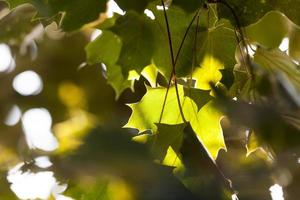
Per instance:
x=207, y=93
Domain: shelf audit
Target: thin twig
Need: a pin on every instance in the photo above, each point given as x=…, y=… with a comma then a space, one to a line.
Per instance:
x=174, y=62
x=242, y=38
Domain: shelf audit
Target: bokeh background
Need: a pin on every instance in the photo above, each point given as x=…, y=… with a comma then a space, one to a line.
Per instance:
x=61, y=134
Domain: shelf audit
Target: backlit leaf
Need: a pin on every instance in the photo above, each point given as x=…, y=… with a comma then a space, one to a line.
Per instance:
x=213, y=41
x=167, y=136
x=150, y=73
x=208, y=128
x=260, y=31
x=178, y=22
x=209, y=72
x=146, y=113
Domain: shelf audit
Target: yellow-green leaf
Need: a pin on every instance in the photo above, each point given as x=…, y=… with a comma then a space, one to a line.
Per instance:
x=209, y=72
x=147, y=112
x=150, y=73
x=208, y=128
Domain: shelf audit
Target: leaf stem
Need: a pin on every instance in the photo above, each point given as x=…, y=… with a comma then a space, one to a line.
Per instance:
x=241, y=39
x=174, y=62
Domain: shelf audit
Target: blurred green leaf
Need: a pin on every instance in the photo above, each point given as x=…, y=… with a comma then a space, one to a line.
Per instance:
x=105, y=49
x=76, y=13
x=249, y=12
x=138, y=5
x=265, y=33
x=283, y=68
x=294, y=43
x=17, y=24
x=117, y=80
x=189, y=5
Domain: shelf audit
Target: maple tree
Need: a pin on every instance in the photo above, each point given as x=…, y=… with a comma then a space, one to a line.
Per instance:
x=209, y=85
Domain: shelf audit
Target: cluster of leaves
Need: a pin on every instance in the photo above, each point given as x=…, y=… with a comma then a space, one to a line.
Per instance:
x=194, y=58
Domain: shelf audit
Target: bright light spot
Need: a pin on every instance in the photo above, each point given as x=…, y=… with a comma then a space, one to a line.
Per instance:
x=234, y=99
x=284, y=46
x=37, y=128
x=112, y=7
x=247, y=133
x=162, y=8
x=43, y=162
x=251, y=49
x=29, y=185
x=234, y=197
x=28, y=83
x=95, y=34
x=82, y=65
x=7, y=63
x=63, y=197
x=103, y=67
x=276, y=192
x=149, y=14
x=296, y=62
x=13, y=116
x=104, y=70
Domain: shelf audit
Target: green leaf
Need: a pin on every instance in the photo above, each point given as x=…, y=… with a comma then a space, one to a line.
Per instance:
x=208, y=128
x=14, y=3
x=249, y=12
x=252, y=144
x=294, y=43
x=282, y=67
x=241, y=87
x=200, y=97
x=17, y=23
x=212, y=43
x=189, y=5
x=137, y=38
x=150, y=73
x=76, y=12
x=117, y=80
x=265, y=33
x=178, y=22
x=146, y=113
x=270, y=125
x=137, y=5
x=165, y=144
x=105, y=48
x=208, y=73
x=167, y=136
x=173, y=160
